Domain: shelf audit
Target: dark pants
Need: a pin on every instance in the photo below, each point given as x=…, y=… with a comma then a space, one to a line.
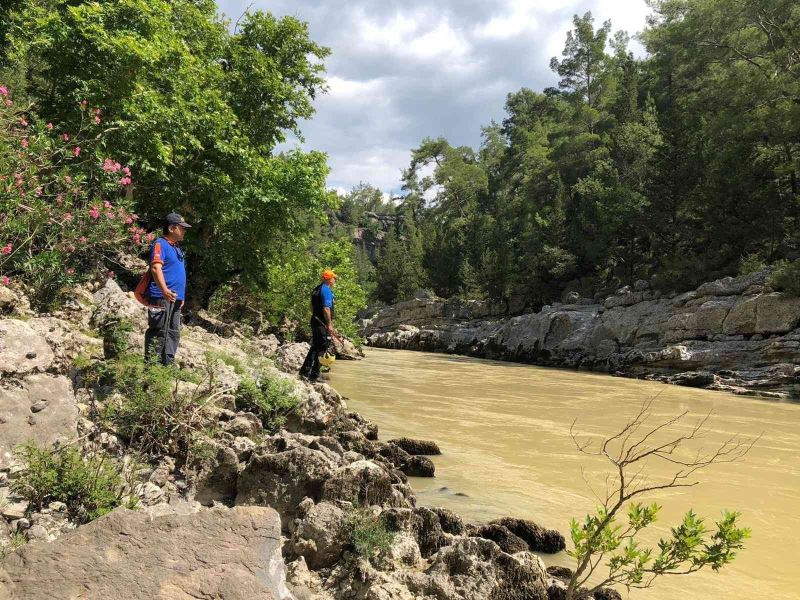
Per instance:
x=319, y=344
x=163, y=331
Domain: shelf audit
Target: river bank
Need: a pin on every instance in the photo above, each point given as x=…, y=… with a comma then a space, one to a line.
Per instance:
x=251, y=512
x=735, y=334
x=504, y=430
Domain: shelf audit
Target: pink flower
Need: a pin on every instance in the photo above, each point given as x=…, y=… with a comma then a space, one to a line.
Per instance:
x=68, y=179
x=70, y=271
x=7, y=249
x=60, y=199
x=137, y=238
x=38, y=191
x=106, y=203
x=76, y=150
x=25, y=142
x=110, y=215
x=23, y=122
x=65, y=137
x=9, y=102
x=84, y=103
x=49, y=126
x=128, y=221
x=5, y=280
x=110, y=275
x=127, y=171
x=82, y=239
x=109, y=166
x=150, y=237
x=68, y=217
x=3, y=90
x=125, y=181
x=94, y=212
x=17, y=179
x=97, y=119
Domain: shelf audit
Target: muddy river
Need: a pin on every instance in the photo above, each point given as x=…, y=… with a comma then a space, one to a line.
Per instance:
x=504, y=432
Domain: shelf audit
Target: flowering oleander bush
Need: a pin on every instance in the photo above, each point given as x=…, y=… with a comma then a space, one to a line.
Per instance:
x=64, y=211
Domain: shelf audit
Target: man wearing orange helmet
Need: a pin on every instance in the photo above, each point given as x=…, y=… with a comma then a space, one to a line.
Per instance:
x=322, y=308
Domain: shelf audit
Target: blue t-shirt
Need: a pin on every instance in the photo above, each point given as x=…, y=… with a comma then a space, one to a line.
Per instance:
x=171, y=259
x=327, y=296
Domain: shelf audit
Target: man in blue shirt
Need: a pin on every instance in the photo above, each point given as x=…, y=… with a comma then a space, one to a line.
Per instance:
x=166, y=293
x=321, y=325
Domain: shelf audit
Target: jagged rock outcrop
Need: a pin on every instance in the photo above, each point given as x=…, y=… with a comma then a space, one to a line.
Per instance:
x=221, y=553
x=737, y=333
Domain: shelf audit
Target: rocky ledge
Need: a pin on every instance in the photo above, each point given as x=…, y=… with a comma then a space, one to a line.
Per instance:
x=734, y=334
x=260, y=513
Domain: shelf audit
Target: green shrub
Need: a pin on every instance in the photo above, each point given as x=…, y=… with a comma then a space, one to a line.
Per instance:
x=272, y=398
x=215, y=355
x=90, y=487
x=751, y=263
x=786, y=277
x=64, y=206
x=116, y=336
x=149, y=411
x=367, y=533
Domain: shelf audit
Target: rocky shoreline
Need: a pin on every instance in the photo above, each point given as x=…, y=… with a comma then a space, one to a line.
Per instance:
x=259, y=514
x=735, y=334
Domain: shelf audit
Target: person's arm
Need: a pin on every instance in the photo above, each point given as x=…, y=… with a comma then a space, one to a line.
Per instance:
x=328, y=319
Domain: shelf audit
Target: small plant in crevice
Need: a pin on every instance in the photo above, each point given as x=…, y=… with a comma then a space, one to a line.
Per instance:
x=272, y=398
x=115, y=332
x=367, y=533
x=786, y=277
x=90, y=486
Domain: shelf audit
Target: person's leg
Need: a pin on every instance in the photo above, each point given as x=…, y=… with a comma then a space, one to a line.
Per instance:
x=306, y=368
x=320, y=345
x=154, y=336
x=173, y=336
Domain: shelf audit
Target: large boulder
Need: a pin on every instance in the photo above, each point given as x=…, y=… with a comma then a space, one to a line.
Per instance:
x=40, y=408
x=22, y=350
x=111, y=303
x=417, y=447
x=290, y=357
x=226, y=554
x=538, y=538
x=363, y=483
x=501, y=536
x=216, y=473
x=281, y=480
x=319, y=534
x=777, y=313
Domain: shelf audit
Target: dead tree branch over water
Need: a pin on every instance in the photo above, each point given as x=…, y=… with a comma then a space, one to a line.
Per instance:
x=601, y=539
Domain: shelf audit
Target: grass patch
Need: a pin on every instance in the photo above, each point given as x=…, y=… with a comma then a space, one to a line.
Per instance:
x=271, y=398
x=90, y=487
x=367, y=534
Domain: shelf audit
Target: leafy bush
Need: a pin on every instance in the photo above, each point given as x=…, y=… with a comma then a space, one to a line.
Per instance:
x=751, y=263
x=367, y=533
x=90, y=487
x=149, y=410
x=57, y=220
x=272, y=398
x=287, y=292
x=116, y=337
x=786, y=277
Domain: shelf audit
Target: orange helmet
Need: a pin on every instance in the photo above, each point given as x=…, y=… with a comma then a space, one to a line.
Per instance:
x=328, y=274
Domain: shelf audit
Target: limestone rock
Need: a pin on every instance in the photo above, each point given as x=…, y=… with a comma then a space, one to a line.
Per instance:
x=362, y=483
x=290, y=357
x=281, y=480
x=777, y=313
x=216, y=473
x=319, y=535
x=421, y=447
x=503, y=537
x=112, y=303
x=227, y=554
x=57, y=422
x=538, y=538
x=22, y=350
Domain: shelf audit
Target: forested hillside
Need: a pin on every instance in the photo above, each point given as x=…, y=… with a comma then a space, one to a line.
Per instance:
x=675, y=168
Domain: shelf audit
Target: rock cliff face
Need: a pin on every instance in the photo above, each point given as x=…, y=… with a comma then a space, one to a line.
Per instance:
x=733, y=334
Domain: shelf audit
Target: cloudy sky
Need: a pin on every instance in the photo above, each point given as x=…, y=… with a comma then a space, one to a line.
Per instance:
x=404, y=70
